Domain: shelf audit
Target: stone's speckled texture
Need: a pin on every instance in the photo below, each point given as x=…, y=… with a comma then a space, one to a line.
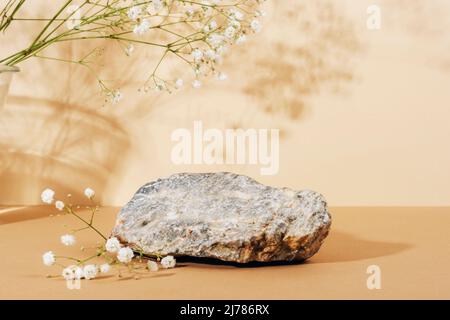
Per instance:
x=225, y=216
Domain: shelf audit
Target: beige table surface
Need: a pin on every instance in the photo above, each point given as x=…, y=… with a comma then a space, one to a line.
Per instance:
x=410, y=245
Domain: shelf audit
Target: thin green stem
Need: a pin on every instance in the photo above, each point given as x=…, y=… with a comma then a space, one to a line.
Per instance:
x=50, y=22
x=71, y=211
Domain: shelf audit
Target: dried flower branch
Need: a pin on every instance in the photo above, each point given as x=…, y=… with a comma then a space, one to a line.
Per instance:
x=110, y=249
x=197, y=33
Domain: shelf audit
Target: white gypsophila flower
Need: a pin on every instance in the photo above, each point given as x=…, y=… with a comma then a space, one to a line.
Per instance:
x=112, y=245
x=196, y=84
x=134, y=13
x=104, y=268
x=90, y=271
x=152, y=266
x=129, y=49
x=179, y=83
x=125, y=255
x=216, y=40
x=142, y=27
x=160, y=87
x=229, y=32
x=189, y=11
x=68, y=240
x=260, y=13
x=78, y=273
x=89, y=193
x=115, y=97
x=222, y=76
x=206, y=6
x=168, y=262
x=241, y=39
x=222, y=50
x=157, y=5
x=197, y=54
x=72, y=272
x=59, y=205
x=235, y=24
x=236, y=14
x=48, y=258
x=68, y=273
x=213, y=25
x=47, y=196
x=211, y=54
x=256, y=25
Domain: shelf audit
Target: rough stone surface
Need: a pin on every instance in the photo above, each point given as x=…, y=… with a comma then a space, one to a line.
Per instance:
x=225, y=216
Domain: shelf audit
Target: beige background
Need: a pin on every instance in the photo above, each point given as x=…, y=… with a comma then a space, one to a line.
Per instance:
x=364, y=114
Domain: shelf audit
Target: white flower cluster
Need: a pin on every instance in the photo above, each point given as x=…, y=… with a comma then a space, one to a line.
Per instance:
x=112, y=249
x=48, y=196
x=197, y=32
x=90, y=271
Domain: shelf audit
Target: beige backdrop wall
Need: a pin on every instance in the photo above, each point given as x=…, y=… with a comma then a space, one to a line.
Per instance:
x=364, y=114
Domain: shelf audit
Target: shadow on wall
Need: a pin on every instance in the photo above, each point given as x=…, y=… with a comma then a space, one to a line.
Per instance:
x=52, y=144
x=56, y=135
x=312, y=50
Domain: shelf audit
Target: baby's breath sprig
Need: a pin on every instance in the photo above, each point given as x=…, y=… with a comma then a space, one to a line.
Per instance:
x=109, y=249
x=196, y=32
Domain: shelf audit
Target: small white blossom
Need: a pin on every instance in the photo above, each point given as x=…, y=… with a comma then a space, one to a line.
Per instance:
x=213, y=25
x=157, y=5
x=235, y=24
x=241, y=39
x=104, y=268
x=112, y=245
x=255, y=25
x=90, y=271
x=48, y=258
x=152, y=266
x=68, y=240
x=59, y=205
x=47, y=196
x=115, y=96
x=260, y=13
x=189, y=11
x=89, y=193
x=68, y=273
x=179, y=83
x=196, y=84
x=72, y=272
x=168, y=262
x=78, y=273
x=236, y=14
x=129, y=49
x=229, y=32
x=216, y=40
x=222, y=76
x=142, y=28
x=211, y=54
x=197, y=54
x=134, y=12
x=125, y=255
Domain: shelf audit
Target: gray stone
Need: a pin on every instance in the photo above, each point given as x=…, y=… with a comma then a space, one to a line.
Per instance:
x=224, y=216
